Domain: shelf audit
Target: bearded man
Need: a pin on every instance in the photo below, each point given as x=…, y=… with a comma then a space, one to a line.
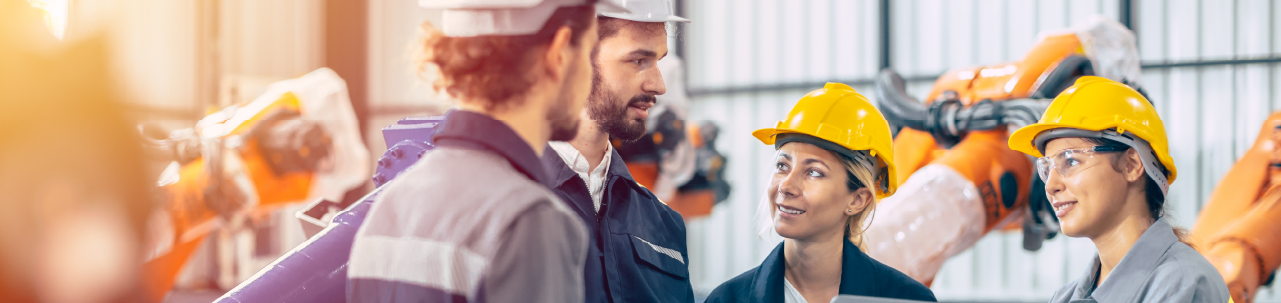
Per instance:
x=637, y=250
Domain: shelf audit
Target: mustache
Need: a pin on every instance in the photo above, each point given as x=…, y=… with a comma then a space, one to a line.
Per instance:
x=641, y=99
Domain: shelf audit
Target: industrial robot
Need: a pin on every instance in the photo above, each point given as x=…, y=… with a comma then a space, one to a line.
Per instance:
x=297, y=142
x=1237, y=229
x=962, y=180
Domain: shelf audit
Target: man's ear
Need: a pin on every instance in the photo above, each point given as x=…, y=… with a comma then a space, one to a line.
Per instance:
x=556, y=59
x=1133, y=168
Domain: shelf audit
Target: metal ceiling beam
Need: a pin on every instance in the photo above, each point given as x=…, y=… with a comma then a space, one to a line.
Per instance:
x=680, y=29
x=793, y=86
x=885, y=34
x=699, y=92
x=1127, y=14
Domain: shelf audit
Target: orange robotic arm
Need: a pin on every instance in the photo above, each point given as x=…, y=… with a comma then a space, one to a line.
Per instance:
x=299, y=140
x=229, y=183
x=1237, y=229
x=963, y=180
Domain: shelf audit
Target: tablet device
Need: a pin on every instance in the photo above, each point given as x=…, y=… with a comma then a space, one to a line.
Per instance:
x=862, y=299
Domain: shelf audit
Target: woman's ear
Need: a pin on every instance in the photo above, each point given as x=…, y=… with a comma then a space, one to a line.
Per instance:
x=859, y=199
x=1133, y=168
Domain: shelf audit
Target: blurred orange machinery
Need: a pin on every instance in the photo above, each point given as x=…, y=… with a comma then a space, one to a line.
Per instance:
x=297, y=142
x=677, y=159
x=706, y=187
x=1237, y=229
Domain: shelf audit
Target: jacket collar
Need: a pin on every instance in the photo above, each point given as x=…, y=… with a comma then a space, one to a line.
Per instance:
x=471, y=130
x=1138, y=263
x=561, y=172
x=767, y=286
x=857, y=276
x=618, y=168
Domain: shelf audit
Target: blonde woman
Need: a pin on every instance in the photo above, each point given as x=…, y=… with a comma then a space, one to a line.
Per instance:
x=832, y=161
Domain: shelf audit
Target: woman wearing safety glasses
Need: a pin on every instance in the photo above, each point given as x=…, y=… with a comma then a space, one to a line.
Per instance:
x=1105, y=160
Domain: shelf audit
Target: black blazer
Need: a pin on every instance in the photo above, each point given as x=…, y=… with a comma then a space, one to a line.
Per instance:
x=860, y=275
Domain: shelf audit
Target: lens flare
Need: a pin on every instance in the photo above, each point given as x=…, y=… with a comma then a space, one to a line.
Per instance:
x=56, y=13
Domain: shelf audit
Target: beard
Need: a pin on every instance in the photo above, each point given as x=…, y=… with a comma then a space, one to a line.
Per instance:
x=610, y=112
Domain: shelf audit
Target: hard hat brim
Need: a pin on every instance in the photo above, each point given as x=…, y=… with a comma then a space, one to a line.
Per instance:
x=629, y=16
x=770, y=135
x=766, y=135
x=1021, y=140
x=1024, y=140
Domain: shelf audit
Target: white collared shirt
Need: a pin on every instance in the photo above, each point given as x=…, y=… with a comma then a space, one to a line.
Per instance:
x=791, y=294
x=577, y=162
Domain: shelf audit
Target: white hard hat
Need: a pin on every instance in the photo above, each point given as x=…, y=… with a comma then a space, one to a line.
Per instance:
x=647, y=11
x=470, y=18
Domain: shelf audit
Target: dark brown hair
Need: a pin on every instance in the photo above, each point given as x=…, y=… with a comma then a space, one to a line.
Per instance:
x=1152, y=191
x=494, y=69
x=610, y=26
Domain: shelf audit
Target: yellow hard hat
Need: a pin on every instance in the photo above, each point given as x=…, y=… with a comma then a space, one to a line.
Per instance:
x=1103, y=106
x=838, y=114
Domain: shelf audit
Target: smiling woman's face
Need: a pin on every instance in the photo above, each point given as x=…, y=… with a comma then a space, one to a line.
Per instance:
x=1092, y=199
x=808, y=194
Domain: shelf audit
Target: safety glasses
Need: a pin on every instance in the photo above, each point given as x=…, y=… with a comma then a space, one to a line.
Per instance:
x=1071, y=161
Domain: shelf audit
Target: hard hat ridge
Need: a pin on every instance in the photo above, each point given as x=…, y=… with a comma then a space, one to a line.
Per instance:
x=647, y=11
x=1097, y=107
x=471, y=18
x=838, y=118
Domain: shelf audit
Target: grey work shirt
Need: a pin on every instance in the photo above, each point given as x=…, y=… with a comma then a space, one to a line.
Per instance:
x=472, y=221
x=1158, y=268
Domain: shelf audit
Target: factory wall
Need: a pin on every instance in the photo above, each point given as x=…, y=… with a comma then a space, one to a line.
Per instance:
x=750, y=60
x=396, y=89
x=748, y=63
x=176, y=58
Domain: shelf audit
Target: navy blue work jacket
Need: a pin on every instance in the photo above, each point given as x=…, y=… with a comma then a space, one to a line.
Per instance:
x=860, y=275
x=637, y=251
x=471, y=130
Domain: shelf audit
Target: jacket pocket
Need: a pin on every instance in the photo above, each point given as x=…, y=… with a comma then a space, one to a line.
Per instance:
x=666, y=259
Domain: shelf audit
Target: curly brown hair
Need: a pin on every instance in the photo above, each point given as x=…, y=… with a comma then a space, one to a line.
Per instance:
x=493, y=69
